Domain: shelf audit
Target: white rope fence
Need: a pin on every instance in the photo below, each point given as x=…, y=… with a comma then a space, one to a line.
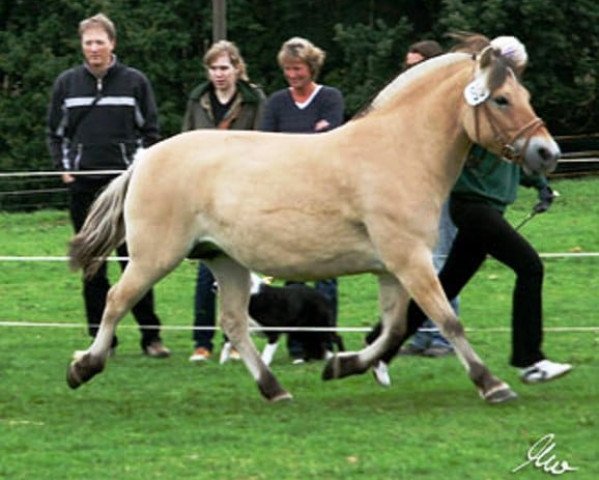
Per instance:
x=55, y=173
x=8, y=258
x=257, y=328
x=253, y=328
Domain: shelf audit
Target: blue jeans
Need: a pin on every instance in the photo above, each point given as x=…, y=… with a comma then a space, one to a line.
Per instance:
x=204, y=308
x=328, y=288
x=447, y=233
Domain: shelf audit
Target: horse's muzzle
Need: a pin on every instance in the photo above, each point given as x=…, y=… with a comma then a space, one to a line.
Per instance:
x=541, y=155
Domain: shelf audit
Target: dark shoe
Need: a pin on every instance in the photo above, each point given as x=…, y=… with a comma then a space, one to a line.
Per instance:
x=156, y=350
x=438, y=351
x=411, y=350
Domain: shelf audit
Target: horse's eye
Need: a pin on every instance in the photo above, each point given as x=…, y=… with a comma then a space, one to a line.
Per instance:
x=501, y=101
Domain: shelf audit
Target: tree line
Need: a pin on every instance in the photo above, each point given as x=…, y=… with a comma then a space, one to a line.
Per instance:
x=365, y=41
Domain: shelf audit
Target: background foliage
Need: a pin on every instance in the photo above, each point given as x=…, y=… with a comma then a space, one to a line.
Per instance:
x=365, y=41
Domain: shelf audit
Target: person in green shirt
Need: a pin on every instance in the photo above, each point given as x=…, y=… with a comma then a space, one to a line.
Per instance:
x=485, y=188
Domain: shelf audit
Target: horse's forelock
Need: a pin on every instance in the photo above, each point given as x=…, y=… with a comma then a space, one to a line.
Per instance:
x=499, y=70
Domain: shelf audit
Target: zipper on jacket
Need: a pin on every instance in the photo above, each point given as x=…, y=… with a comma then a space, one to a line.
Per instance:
x=77, y=161
x=99, y=84
x=124, y=154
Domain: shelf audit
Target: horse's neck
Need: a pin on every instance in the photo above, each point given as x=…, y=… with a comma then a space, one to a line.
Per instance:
x=429, y=111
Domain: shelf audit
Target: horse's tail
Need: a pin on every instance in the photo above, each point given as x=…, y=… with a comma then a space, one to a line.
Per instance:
x=103, y=230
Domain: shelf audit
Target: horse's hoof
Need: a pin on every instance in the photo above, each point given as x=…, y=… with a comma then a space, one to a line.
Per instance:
x=73, y=378
x=331, y=369
x=82, y=369
x=342, y=365
x=501, y=394
x=282, y=397
x=271, y=390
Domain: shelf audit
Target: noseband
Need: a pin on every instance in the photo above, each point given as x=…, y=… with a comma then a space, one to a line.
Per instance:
x=507, y=143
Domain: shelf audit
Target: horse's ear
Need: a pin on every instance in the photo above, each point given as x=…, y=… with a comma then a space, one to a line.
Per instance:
x=477, y=91
x=486, y=57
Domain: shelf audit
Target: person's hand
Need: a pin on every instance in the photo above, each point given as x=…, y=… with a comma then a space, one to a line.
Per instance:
x=546, y=196
x=321, y=125
x=67, y=178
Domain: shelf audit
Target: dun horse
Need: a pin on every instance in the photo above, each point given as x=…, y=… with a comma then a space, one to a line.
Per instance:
x=365, y=197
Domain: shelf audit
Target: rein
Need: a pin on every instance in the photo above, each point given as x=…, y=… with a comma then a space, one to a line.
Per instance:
x=508, y=149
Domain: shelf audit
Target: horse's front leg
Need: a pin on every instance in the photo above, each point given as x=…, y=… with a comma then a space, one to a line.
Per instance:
x=234, y=296
x=393, y=301
x=424, y=286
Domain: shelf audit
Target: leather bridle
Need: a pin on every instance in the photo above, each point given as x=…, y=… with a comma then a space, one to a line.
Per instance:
x=506, y=142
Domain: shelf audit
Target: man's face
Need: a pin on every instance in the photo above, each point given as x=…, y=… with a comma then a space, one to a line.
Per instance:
x=97, y=48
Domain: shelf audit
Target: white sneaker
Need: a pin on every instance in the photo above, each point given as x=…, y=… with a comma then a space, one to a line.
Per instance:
x=381, y=374
x=225, y=352
x=543, y=371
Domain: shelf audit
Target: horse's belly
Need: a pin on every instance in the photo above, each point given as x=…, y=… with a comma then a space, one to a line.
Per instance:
x=329, y=250
x=312, y=267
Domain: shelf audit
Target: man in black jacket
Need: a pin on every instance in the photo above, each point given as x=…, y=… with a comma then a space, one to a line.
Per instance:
x=100, y=113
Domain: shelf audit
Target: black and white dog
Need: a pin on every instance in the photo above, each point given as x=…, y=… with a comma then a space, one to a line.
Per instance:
x=291, y=306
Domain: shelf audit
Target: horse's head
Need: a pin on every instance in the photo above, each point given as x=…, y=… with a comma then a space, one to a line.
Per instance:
x=502, y=118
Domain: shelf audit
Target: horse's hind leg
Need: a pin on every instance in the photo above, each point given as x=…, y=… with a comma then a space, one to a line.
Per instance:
x=234, y=296
x=136, y=280
x=393, y=304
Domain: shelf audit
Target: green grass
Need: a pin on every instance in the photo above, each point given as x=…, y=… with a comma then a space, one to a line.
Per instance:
x=168, y=419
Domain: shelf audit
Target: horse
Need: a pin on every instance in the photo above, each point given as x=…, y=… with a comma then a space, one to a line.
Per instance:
x=365, y=197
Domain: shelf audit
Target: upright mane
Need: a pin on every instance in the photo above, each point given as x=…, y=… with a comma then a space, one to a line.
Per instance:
x=500, y=69
x=412, y=75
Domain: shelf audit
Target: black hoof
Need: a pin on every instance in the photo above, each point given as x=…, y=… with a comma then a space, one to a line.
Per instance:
x=501, y=394
x=271, y=390
x=341, y=366
x=82, y=370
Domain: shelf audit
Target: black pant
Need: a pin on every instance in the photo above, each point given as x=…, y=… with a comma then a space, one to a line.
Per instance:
x=482, y=230
x=96, y=287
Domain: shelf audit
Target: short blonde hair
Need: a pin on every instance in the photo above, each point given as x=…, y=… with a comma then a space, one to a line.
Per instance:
x=298, y=48
x=98, y=21
x=223, y=47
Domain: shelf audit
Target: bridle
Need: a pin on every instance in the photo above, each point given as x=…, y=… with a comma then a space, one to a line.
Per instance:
x=506, y=142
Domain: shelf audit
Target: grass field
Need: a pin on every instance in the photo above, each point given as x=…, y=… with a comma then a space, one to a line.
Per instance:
x=168, y=419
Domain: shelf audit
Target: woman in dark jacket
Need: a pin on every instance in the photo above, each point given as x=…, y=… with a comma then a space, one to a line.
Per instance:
x=226, y=101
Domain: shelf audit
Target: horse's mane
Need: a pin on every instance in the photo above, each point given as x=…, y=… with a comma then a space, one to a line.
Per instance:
x=501, y=68
x=409, y=76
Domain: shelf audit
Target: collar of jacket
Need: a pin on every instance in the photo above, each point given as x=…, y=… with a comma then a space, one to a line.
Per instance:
x=113, y=65
x=250, y=93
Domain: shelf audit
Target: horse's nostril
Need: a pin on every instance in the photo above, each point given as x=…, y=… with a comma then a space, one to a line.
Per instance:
x=547, y=155
x=544, y=153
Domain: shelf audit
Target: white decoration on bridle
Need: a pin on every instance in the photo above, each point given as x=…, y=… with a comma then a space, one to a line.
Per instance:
x=476, y=92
